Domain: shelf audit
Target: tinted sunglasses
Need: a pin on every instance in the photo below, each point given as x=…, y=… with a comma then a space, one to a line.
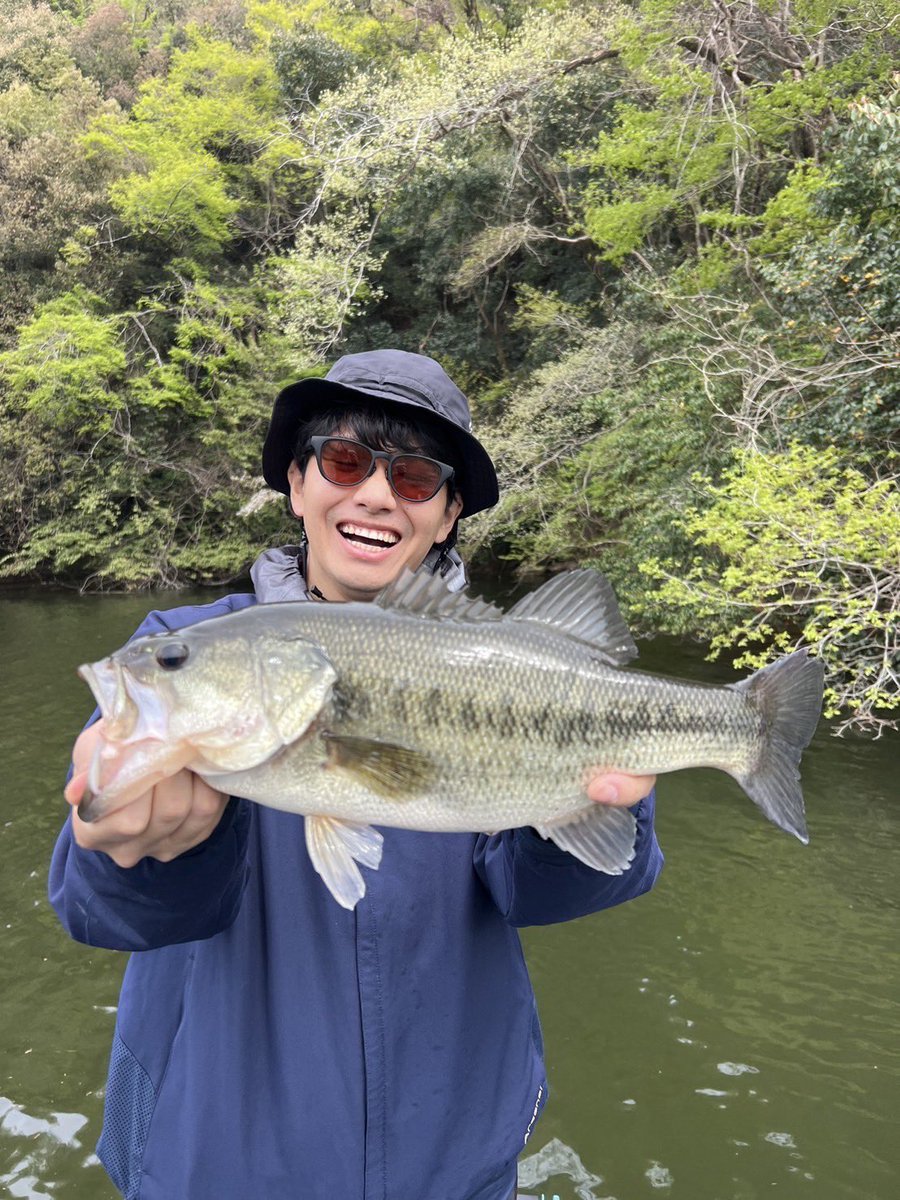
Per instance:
x=412, y=477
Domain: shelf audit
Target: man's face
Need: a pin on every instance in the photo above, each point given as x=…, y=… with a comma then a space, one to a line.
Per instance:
x=361, y=538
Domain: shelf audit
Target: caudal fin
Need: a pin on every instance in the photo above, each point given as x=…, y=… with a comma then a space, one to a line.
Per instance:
x=788, y=693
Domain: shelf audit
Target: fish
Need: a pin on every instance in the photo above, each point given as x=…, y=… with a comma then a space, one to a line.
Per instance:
x=435, y=710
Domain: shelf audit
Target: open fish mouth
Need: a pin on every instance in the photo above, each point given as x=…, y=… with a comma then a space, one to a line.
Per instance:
x=132, y=711
x=127, y=759
x=107, y=681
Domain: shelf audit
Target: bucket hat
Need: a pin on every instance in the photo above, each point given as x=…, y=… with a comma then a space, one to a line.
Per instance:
x=394, y=379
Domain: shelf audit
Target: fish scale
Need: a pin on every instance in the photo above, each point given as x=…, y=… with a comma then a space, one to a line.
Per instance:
x=433, y=711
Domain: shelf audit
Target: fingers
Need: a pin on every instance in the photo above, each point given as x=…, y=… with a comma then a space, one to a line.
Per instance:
x=172, y=817
x=85, y=744
x=621, y=791
x=74, y=789
x=192, y=824
x=121, y=835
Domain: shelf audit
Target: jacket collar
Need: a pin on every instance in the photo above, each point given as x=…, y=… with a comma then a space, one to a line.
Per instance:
x=280, y=574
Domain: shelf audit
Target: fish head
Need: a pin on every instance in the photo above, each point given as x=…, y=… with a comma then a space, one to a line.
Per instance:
x=212, y=697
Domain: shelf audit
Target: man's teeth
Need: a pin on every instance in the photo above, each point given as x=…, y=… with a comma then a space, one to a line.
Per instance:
x=383, y=537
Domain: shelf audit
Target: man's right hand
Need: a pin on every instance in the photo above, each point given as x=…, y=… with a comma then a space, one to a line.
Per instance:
x=172, y=817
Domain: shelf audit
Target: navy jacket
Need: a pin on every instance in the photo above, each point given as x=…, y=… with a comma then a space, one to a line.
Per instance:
x=270, y=1043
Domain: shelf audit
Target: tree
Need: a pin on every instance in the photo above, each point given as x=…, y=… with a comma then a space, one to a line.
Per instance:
x=798, y=548
x=721, y=101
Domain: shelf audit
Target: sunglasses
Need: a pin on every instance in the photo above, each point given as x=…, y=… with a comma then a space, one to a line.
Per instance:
x=412, y=477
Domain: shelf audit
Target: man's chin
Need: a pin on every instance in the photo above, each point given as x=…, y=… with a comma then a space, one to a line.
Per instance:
x=360, y=586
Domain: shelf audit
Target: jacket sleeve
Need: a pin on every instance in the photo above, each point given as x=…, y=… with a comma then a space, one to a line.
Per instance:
x=153, y=903
x=533, y=882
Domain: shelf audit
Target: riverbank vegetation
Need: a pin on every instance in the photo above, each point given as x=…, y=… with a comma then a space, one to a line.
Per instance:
x=657, y=244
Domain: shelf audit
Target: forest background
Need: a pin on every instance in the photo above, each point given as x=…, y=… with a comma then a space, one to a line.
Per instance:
x=657, y=243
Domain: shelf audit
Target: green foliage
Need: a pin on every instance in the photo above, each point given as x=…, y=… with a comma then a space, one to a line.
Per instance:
x=799, y=548
x=372, y=32
x=129, y=444
x=33, y=47
x=206, y=138
x=621, y=228
x=793, y=212
x=644, y=238
x=309, y=63
x=67, y=363
x=596, y=452
x=836, y=291
x=708, y=131
x=322, y=284
x=46, y=191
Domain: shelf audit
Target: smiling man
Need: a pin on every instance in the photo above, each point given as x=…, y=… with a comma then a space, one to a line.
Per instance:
x=379, y=496
x=268, y=1042
x=382, y=519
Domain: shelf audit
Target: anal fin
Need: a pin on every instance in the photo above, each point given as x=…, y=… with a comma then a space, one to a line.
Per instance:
x=335, y=847
x=600, y=836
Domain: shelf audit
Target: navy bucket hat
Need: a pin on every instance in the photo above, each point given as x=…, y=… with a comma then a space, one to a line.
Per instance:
x=393, y=379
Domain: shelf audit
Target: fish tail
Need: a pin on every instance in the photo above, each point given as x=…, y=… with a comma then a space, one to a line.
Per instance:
x=788, y=694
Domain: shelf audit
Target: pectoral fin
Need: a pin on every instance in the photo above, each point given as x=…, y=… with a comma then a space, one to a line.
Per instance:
x=601, y=837
x=396, y=772
x=335, y=847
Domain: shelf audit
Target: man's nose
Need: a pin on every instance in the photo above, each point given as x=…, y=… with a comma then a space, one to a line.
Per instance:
x=376, y=491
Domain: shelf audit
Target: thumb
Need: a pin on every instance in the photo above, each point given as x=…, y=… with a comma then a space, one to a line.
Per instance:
x=74, y=789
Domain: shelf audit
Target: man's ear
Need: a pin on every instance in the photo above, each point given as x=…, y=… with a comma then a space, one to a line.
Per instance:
x=295, y=479
x=451, y=516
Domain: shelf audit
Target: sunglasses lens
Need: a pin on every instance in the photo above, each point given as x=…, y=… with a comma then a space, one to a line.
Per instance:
x=345, y=463
x=415, y=478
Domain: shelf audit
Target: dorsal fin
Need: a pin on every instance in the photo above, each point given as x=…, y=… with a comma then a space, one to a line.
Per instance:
x=583, y=605
x=427, y=596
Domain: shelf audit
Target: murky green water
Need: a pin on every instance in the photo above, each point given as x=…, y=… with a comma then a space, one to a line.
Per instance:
x=732, y=1036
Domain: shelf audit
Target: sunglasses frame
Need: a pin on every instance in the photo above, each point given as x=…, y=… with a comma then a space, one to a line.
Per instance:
x=316, y=445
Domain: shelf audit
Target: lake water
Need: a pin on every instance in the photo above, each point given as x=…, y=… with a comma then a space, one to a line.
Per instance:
x=731, y=1036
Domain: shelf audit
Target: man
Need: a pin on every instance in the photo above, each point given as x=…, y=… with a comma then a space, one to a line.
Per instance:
x=268, y=1042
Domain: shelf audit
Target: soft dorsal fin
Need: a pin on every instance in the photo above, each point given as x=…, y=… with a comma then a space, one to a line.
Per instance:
x=427, y=596
x=583, y=605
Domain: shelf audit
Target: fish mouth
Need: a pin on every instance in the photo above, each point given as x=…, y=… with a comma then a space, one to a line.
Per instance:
x=107, y=681
x=368, y=537
x=132, y=712
x=135, y=732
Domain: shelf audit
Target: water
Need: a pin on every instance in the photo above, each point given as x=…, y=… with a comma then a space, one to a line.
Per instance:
x=731, y=1036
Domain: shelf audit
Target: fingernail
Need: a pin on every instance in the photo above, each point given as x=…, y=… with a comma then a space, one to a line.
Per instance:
x=607, y=794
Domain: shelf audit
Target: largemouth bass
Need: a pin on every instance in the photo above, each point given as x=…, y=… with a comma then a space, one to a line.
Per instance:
x=435, y=711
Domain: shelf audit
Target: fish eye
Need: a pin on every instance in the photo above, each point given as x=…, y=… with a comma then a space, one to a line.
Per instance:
x=172, y=656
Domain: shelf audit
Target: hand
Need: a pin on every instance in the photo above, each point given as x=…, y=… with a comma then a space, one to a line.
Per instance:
x=175, y=815
x=621, y=791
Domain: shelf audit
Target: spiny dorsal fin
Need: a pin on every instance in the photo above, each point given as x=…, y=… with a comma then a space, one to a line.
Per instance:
x=583, y=605
x=427, y=596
